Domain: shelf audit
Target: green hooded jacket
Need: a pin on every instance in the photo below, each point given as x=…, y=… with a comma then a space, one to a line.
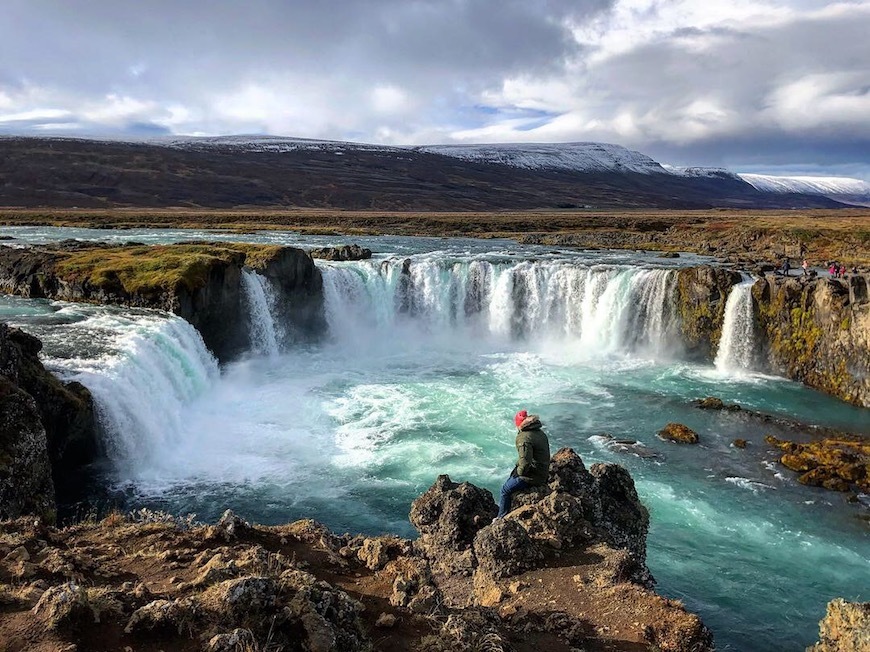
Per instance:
x=533, y=449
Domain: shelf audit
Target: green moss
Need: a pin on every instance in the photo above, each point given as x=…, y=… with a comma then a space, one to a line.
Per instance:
x=845, y=323
x=146, y=269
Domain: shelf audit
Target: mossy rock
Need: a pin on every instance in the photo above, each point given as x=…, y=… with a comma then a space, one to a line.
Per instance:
x=679, y=433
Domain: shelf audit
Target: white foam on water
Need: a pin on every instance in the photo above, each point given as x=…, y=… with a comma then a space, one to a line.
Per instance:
x=746, y=483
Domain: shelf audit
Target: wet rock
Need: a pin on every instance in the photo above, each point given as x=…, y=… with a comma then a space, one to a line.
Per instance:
x=343, y=252
x=448, y=516
x=835, y=463
x=701, y=296
x=679, y=433
x=845, y=628
x=629, y=446
x=669, y=254
x=45, y=440
x=714, y=403
x=26, y=485
x=740, y=443
x=64, y=606
x=824, y=477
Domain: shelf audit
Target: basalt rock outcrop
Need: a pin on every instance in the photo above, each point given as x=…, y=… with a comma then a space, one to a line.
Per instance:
x=47, y=429
x=701, y=296
x=578, y=506
x=201, y=282
x=818, y=332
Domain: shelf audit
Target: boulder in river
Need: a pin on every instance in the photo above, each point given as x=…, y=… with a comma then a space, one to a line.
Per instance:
x=679, y=433
x=835, y=463
x=343, y=252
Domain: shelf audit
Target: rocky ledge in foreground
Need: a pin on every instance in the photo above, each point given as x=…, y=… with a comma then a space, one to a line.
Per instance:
x=564, y=571
x=201, y=282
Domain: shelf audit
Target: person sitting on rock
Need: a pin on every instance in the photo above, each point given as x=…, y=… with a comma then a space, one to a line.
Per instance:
x=533, y=463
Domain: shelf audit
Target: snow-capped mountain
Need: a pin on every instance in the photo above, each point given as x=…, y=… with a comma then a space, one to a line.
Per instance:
x=579, y=157
x=701, y=173
x=228, y=171
x=843, y=189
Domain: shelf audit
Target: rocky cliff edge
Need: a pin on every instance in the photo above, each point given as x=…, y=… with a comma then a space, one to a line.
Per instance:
x=563, y=571
x=199, y=281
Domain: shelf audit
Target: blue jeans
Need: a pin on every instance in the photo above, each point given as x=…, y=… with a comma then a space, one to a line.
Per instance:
x=511, y=485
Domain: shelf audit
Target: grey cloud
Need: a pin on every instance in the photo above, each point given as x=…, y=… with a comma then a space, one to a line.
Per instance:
x=209, y=42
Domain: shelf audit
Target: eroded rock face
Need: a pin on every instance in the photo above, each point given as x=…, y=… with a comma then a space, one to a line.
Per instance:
x=47, y=429
x=576, y=507
x=448, y=516
x=623, y=516
x=701, y=296
x=505, y=548
x=845, y=628
x=818, y=332
x=26, y=486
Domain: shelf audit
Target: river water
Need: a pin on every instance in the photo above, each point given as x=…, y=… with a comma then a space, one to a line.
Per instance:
x=421, y=373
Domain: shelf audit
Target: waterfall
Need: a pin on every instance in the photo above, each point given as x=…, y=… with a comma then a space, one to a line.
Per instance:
x=737, y=345
x=597, y=309
x=155, y=366
x=261, y=302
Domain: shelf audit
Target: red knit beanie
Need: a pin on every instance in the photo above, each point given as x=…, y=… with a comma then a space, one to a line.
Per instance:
x=520, y=417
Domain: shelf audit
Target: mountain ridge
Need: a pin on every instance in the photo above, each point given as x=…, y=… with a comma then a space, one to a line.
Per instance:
x=231, y=171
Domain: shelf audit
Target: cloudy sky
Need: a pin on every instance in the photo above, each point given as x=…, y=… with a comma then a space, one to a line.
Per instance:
x=779, y=86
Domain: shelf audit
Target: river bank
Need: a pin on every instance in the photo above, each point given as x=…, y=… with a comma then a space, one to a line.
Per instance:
x=751, y=236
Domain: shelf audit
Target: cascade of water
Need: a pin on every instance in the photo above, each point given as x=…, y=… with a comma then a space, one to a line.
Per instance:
x=601, y=308
x=737, y=345
x=157, y=366
x=261, y=302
